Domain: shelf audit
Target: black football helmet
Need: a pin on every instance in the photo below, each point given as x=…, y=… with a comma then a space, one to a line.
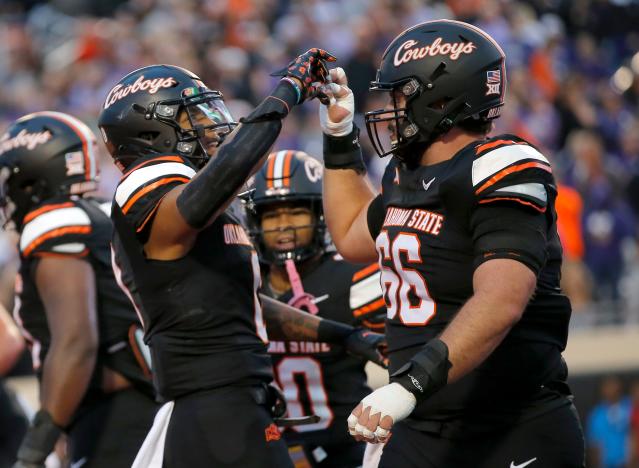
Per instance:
x=449, y=71
x=44, y=155
x=163, y=109
x=288, y=176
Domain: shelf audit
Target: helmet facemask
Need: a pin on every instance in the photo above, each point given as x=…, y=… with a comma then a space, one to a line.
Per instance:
x=201, y=121
x=298, y=252
x=414, y=126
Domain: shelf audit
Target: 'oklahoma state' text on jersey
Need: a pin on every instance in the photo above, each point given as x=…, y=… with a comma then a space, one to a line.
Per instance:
x=433, y=226
x=201, y=316
x=321, y=378
x=77, y=228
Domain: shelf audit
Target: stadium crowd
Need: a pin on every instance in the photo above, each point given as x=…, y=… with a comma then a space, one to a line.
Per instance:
x=573, y=90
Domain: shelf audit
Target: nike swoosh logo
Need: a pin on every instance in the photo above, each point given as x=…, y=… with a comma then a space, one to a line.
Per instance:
x=79, y=463
x=521, y=465
x=320, y=298
x=427, y=185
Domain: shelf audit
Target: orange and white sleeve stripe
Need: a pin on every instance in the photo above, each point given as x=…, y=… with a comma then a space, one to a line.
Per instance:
x=145, y=179
x=495, y=165
x=55, y=221
x=366, y=292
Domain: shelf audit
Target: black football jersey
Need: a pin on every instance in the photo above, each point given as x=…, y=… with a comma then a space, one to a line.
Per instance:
x=321, y=378
x=436, y=225
x=201, y=317
x=78, y=228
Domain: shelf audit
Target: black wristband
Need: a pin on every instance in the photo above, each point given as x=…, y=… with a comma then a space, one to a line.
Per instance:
x=40, y=439
x=333, y=332
x=277, y=105
x=426, y=372
x=344, y=152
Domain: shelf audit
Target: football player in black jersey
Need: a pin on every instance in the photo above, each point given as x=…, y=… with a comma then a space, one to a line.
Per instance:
x=190, y=267
x=465, y=234
x=76, y=319
x=286, y=223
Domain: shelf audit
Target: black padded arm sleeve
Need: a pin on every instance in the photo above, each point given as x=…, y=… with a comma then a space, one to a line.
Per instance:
x=237, y=159
x=375, y=216
x=517, y=233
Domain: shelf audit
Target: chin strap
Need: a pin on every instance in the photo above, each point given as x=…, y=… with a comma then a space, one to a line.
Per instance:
x=300, y=299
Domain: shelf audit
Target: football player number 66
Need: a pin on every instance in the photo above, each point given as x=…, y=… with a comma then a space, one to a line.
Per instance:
x=399, y=280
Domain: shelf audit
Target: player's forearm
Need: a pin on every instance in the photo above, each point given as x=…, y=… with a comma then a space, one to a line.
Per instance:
x=287, y=323
x=479, y=327
x=210, y=191
x=66, y=375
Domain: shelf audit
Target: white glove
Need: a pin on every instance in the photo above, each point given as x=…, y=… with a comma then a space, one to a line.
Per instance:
x=339, y=94
x=390, y=400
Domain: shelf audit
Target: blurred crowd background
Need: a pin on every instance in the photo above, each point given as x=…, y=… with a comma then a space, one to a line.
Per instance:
x=573, y=90
x=573, y=70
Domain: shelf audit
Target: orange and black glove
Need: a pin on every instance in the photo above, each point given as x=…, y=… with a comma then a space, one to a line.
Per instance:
x=310, y=69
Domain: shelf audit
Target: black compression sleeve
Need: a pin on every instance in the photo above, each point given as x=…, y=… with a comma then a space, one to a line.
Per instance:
x=375, y=216
x=237, y=159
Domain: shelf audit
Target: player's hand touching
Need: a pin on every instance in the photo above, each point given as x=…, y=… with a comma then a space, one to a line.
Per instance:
x=369, y=345
x=308, y=71
x=338, y=105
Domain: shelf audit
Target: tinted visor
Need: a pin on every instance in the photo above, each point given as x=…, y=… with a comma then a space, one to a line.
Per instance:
x=210, y=120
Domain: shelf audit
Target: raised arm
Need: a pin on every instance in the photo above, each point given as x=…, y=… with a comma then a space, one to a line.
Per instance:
x=190, y=207
x=347, y=190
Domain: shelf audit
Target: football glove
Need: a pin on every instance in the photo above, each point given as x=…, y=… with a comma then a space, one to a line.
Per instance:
x=369, y=345
x=310, y=69
x=38, y=442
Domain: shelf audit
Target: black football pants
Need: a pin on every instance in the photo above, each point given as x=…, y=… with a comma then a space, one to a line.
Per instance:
x=109, y=432
x=223, y=428
x=552, y=440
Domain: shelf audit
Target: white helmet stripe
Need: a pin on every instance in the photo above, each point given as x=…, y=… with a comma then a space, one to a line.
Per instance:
x=279, y=169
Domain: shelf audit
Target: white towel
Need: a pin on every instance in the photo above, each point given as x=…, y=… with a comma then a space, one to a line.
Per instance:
x=372, y=455
x=151, y=454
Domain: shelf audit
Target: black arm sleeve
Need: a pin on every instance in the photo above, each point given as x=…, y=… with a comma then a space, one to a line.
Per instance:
x=223, y=176
x=506, y=231
x=375, y=216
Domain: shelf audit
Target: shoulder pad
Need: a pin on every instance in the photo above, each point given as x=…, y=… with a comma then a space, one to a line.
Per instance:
x=149, y=176
x=511, y=170
x=60, y=228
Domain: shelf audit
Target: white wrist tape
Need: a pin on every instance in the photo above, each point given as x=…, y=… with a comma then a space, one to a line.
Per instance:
x=347, y=102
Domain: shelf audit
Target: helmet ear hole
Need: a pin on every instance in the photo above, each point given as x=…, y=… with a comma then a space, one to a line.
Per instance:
x=148, y=136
